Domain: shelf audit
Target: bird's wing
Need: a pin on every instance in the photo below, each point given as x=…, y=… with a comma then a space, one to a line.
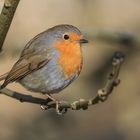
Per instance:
x=24, y=66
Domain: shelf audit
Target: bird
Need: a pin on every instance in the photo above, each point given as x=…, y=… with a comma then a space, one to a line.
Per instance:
x=49, y=62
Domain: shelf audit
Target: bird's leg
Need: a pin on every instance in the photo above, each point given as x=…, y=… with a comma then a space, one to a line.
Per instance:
x=49, y=99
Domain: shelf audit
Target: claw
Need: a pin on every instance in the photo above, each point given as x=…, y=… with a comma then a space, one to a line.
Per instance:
x=60, y=111
x=43, y=107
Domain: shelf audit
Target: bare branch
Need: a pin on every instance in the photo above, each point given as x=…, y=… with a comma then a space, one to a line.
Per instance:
x=22, y=97
x=6, y=17
x=102, y=95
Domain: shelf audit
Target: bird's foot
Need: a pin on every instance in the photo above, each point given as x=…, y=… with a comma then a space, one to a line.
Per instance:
x=45, y=107
x=59, y=109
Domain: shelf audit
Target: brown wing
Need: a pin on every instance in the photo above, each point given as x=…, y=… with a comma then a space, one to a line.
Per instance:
x=24, y=67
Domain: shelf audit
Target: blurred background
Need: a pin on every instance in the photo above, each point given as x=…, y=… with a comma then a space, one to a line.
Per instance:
x=110, y=26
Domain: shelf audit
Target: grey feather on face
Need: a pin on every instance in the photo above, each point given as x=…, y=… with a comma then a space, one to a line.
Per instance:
x=48, y=37
x=59, y=30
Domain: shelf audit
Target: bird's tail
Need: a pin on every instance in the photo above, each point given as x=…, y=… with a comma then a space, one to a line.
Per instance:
x=2, y=77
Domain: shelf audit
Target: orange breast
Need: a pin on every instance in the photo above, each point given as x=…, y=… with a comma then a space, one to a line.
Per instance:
x=70, y=57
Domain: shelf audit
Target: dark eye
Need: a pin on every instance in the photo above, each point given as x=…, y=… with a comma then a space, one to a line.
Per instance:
x=66, y=37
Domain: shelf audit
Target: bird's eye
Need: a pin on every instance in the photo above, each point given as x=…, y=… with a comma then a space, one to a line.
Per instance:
x=66, y=37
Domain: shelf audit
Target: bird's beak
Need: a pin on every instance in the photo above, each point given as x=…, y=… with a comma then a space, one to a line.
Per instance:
x=83, y=40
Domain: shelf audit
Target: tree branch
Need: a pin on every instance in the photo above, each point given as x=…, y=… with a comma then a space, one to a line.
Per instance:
x=6, y=17
x=63, y=106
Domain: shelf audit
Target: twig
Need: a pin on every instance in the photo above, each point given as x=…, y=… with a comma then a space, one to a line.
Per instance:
x=6, y=17
x=22, y=97
x=102, y=95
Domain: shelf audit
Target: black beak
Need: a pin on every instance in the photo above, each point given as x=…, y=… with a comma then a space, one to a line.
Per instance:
x=83, y=41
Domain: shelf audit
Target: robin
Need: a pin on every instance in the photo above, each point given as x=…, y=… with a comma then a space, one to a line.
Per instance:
x=49, y=62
